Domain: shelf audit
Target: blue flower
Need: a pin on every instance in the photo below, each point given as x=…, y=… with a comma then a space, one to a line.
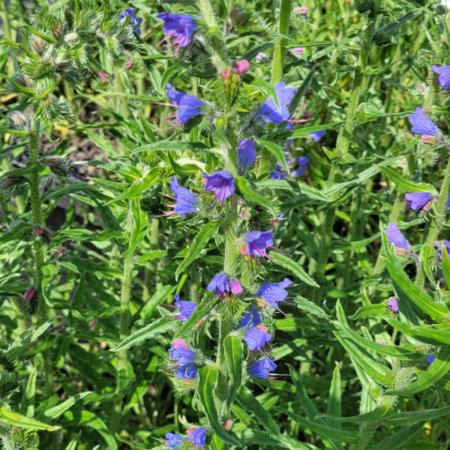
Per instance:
x=257, y=337
x=444, y=75
x=257, y=243
x=186, y=202
x=246, y=154
x=197, y=437
x=250, y=318
x=271, y=112
x=179, y=25
x=185, y=308
x=273, y=293
x=134, y=20
x=220, y=285
x=302, y=169
x=421, y=124
x=188, y=105
x=174, y=441
x=278, y=173
x=395, y=236
x=430, y=359
x=393, y=304
x=181, y=353
x=317, y=136
x=221, y=183
x=262, y=368
x=187, y=372
x=418, y=200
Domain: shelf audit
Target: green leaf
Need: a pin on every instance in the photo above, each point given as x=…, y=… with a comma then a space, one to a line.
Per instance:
x=306, y=131
x=18, y=420
x=417, y=296
x=399, y=439
x=251, y=195
x=437, y=370
x=151, y=330
x=445, y=265
x=423, y=333
x=406, y=185
x=27, y=403
x=334, y=407
x=405, y=418
x=234, y=351
x=56, y=411
x=310, y=307
x=139, y=226
x=165, y=146
x=16, y=232
x=295, y=268
x=198, y=244
x=276, y=151
x=206, y=388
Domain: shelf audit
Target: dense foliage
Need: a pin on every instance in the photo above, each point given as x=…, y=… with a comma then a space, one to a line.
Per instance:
x=223, y=224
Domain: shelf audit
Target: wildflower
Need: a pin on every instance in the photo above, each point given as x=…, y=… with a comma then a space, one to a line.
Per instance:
x=445, y=244
x=185, y=308
x=179, y=25
x=395, y=236
x=186, y=202
x=236, y=287
x=181, y=353
x=298, y=51
x=421, y=124
x=444, y=75
x=258, y=242
x=317, y=136
x=273, y=293
x=128, y=65
x=103, y=77
x=257, y=337
x=241, y=67
x=220, y=285
x=430, y=359
x=250, y=318
x=419, y=200
x=134, y=20
x=246, y=154
x=303, y=10
x=174, y=441
x=393, y=304
x=188, y=105
x=30, y=294
x=261, y=57
x=278, y=173
x=262, y=368
x=221, y=183
x=197, y=437
x=302, y=168
x=187, y=372
x=271, y=112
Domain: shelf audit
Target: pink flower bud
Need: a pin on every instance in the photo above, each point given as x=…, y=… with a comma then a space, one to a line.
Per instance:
x=241, y=67
x=38, y=231
x=180, y=343
x=426, y=139
x=29, y=294
x=128, y=64
x=236, y=287
x=103, y=77
x=298, y=51
x=301, y=10
x=226, y=73
x=262, y=328
x=228, y=424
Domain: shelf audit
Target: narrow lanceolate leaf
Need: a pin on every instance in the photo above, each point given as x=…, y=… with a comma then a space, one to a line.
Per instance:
x=151, y=330
x=206, y=388
x=198, y=244
x=406, y=185
x=251, y=195
x=399, y=439
x=417, y=296
x=436, y=371
x=27, y=404
x=334, y=407
x=446, y=266
x=234, y=358
x=310, y=307
x=56, y=411
x=293, y=267
x=276, y=151
x=417, y=416
x=18, y=420
x=423, y=333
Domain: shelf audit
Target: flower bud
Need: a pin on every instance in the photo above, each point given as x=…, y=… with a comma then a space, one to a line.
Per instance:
x=29, y=294
x=303, y=10
x=241, y=67
x=236, y=287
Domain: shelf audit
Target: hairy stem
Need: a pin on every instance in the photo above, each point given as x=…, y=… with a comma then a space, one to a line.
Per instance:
x=278, y=52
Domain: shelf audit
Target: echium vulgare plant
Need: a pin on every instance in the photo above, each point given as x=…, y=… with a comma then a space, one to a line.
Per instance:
x=224, y=224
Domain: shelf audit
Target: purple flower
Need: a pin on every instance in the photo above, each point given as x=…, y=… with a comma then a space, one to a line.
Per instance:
x=174, y=441
x=278, y=174
x=221, y=183
x=445, y=244
x=187, y=372
x=257, y=337
x=258, y=242
x=188, y=105
x=186, y=202
x=421, y=124
x=179, y=25
x=430, y=359
x=271, y=112
x=185, y=308
x=197, y=437
x=246, y=154
x=395, y=236
x=181, y=353
x=393, y=304
x=302, y=169
x=219, y=284
x=317, y=136
x=250, y=318
x=418, y=200
x=236, y=287
x=273, y=293
x=444, y=75
x=262, y=368
x=134, y=20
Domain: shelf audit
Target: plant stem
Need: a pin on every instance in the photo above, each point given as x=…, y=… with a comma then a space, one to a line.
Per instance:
x=438, y=219
x=278, y=52
x=36, y=214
